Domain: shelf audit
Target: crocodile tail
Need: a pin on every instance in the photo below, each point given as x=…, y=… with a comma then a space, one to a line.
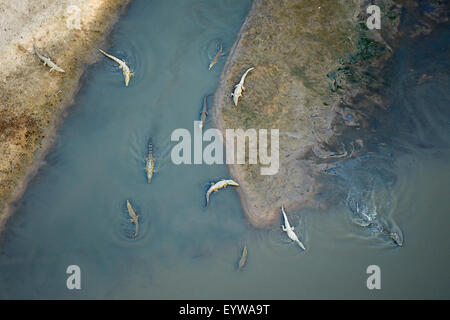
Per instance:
x=207, y=200
x=300, y=245
x=150, y=148
x=136, y=231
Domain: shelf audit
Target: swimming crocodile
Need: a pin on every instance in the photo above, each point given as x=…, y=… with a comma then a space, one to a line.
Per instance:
x=122, y=65
x=398, y=240
x=150, y=162
x=204, y=113
x=48, y=62
x=366, y=220
x=243, y=259
x=215, y=187
x=239, y=88
x=381, y=228
x=216, y=58
x=290, y=230
x=133, y=218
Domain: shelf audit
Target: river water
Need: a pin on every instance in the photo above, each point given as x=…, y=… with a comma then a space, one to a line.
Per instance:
x=74, y=212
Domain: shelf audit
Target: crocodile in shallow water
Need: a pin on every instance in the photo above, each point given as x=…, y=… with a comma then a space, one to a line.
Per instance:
x=134, y=218
x=122, y=65
x=215, y=187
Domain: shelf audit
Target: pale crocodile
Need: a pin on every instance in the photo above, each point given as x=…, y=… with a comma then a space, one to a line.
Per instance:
x=48, y=62
x=239, y=88
x=216, y=58
x=150, y=162
x=134, y=218
x=215, y=187
x=122, y=65
x=204, y=113
x=290, y=230
x=243, y=259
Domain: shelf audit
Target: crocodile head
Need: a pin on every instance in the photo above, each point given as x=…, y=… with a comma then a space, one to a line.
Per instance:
x=396, y=238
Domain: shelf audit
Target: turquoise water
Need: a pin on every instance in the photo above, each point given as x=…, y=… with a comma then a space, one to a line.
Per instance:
x=74, y=210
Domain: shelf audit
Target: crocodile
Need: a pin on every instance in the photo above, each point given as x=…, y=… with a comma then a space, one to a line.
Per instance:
x=243, y=259
x=150, y=162
x=204, y=113
x=290, y=230
x=398, y=240
x=133, y=218
x=215, y=187
x=239, y=88
x=366, y=220
x=48, y=62
x=216, y=58
x=122, y=65
x=381, y=228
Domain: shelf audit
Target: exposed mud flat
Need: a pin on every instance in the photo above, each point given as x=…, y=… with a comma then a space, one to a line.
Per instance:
x=318, y=72
x=31, y=98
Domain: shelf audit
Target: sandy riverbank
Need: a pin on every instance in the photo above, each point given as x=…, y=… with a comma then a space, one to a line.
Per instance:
x=318, y=72
x=31, y=98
